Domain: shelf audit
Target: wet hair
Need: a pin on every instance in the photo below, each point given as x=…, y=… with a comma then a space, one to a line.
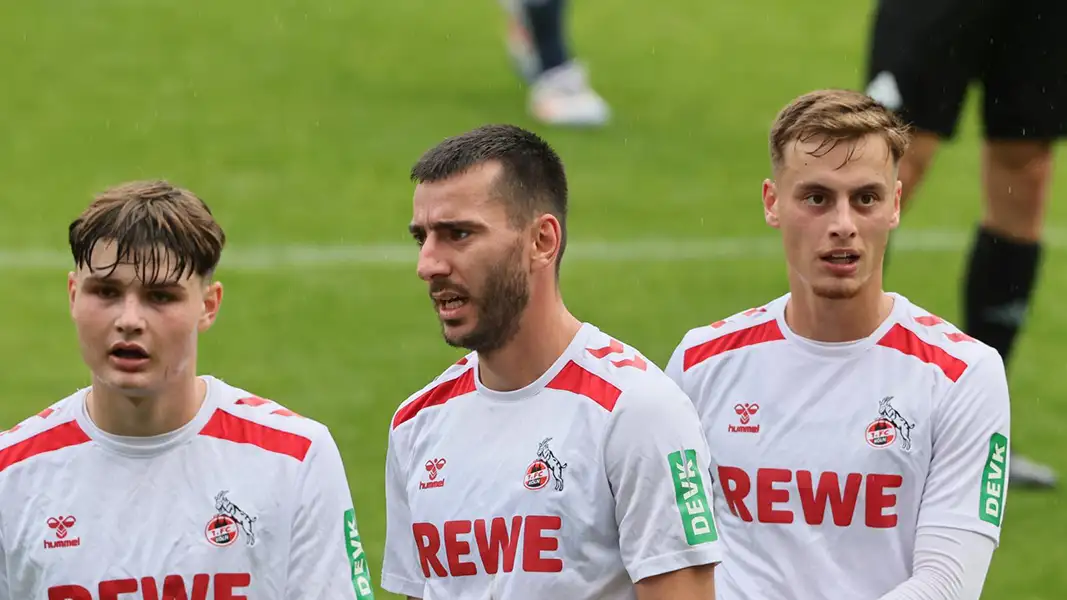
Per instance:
x=166, y=232
x=836, y=116
x=533, y=180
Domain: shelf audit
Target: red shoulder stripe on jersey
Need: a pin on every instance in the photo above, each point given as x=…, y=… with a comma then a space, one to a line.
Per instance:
x=439, y=394
x=56, y=438
x=232, y=428
x=750, y=336
x=904, y=340
x=575, y=379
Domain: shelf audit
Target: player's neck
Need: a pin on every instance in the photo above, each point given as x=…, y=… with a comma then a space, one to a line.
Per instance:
x=144, y=416
x=546, y=329
x=844, y=320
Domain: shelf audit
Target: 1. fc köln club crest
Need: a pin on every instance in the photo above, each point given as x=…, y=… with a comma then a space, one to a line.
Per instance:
x=546, y=467
x=228, y=523
x=889, y=426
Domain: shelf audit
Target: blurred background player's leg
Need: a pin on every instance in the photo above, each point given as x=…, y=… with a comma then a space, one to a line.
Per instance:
x=924, y=75
x=560, y=93
x=921, y=56
x=1024, y=113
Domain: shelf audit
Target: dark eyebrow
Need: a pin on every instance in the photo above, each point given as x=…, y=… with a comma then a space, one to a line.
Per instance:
x=811, y=186
x=452, y=225
x=808, y=187
x=874, y=188
x=170, y=286
x=106, y=279
x=111, y=280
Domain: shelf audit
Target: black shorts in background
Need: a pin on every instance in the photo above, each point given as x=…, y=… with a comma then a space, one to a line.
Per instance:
x=925, y=53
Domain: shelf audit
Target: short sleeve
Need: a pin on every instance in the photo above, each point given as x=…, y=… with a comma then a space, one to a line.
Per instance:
x=674, y=365
x=656, y=459
x=400, y=566
x=326, y=560
x=967, y=485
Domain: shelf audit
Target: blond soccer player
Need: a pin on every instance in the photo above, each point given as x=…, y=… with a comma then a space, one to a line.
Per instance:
x=860, y=443
x=155, y=482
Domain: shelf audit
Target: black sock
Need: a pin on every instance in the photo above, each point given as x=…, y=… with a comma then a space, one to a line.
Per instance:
x=999, y=281
x=545, y=20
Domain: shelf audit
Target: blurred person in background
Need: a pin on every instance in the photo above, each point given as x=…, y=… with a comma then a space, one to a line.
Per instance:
x=923, y=56
x=860, y=442
x=154, y=482
x=560, y=93
x=552, y=461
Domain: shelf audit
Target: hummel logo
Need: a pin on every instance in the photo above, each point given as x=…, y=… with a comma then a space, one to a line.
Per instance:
x=745, y=412
x=433, y=467
x=62, y=525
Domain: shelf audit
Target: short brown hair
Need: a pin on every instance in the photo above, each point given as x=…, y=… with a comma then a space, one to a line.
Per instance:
x=533, y=180
x=836, y=116
x=148, y=220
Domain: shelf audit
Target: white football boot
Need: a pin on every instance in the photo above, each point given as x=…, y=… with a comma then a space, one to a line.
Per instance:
x=561, y=96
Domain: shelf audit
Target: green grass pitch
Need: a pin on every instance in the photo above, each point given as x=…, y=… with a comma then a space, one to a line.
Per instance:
x=298, y=121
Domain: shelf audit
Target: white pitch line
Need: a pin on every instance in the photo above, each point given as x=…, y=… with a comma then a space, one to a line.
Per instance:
x=267, y=258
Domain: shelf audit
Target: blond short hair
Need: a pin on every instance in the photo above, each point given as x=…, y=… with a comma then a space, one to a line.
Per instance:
x=836, y=116
x=155, y=226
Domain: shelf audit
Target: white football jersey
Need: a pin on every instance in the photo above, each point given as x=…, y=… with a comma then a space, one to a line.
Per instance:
x=576, y=486
x=830, y=457
x=247, y=500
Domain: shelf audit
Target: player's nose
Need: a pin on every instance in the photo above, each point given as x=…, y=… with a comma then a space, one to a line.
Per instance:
x=432, y=262
x=131, y=317
x=843, y=221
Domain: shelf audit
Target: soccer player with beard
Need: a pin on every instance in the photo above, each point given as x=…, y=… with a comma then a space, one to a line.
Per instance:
x=154, y=482
x=553, y=460
x=860, y=442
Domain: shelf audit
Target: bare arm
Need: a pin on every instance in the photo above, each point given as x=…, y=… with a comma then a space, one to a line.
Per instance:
x=693, y=583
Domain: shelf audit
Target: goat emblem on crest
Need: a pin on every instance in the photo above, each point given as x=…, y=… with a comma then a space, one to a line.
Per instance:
x=903, y=425
x=226, y=508
x=546, y=466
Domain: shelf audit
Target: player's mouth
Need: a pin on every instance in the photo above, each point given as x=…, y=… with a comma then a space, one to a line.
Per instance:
x=449, y=304
x=841, y=262
x=127, y=356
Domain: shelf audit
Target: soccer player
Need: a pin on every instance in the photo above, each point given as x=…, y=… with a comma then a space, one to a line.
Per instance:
x=153, y=482
x=560, y=92
x=923, y=55
x=553, y=460
x=860, y=443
